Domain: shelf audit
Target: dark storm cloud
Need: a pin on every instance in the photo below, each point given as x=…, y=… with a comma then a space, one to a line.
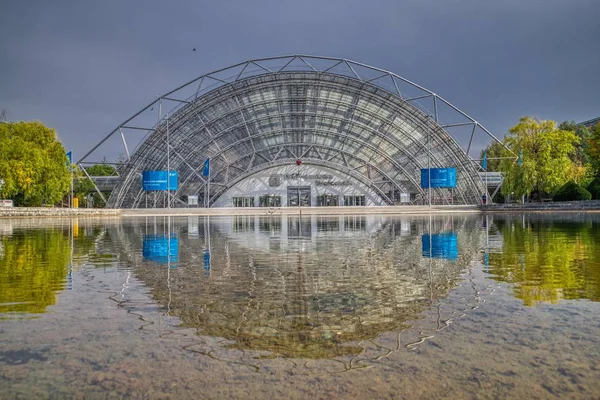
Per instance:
x=83, y=67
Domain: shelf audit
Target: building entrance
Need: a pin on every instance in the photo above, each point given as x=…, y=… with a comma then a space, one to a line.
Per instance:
x=298, y=195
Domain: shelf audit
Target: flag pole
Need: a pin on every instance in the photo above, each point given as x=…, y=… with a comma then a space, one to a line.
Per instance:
x=71, y=170
x=486, y=194
x=208, y=187
x=72, y=188
x=168, y=168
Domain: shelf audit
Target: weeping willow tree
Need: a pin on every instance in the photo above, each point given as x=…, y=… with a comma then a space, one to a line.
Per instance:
x=33, y=164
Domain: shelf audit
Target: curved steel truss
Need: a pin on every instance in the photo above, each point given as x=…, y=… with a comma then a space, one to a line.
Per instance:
x=368, y=123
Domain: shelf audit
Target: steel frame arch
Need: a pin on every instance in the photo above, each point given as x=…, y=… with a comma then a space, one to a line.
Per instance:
x=360, y=141
x=320, y=162
x=391, y=139
x=361, y=178
x=287, y=161
x=245, y=72
x=310, y=161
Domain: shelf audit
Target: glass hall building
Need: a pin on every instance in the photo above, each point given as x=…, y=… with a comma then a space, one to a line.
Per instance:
x=296, y=131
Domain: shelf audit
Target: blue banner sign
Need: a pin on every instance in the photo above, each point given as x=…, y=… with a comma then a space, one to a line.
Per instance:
x=207, y=260
x=160, y=249
x=157, y=180
x=440, y=178
x=206, y=168
x=440, y=245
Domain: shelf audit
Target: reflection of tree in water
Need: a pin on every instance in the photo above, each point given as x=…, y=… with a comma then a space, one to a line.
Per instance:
x=314, y=303
x=35, y=256
x=549, y=259
x=33, y=267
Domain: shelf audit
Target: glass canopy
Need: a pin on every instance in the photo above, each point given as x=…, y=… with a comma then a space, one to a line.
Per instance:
x=265, y=117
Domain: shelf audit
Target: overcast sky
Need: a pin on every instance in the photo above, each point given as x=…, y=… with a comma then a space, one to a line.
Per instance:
x=83, y=67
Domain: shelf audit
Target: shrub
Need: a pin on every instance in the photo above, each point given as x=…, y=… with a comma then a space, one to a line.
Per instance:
x=594, y=188
x=571, y=191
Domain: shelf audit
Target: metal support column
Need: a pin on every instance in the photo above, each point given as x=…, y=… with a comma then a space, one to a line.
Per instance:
x=428, y=161
x=168, y=167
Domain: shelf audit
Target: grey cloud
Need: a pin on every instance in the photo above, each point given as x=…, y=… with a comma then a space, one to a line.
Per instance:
x=83, y=67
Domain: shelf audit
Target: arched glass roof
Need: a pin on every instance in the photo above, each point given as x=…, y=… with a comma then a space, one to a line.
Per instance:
x=308, y=108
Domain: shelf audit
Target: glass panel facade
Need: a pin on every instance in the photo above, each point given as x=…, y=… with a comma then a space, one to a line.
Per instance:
x=276, y=118
x=298, y=195
x=328, y=200
x=243, y=201
x=269, y=201
x=354, y=200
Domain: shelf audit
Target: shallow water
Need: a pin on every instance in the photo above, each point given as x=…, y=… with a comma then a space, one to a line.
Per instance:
x=502, y=306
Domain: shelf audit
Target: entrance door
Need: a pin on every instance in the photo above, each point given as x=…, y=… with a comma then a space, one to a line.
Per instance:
x=298, y=195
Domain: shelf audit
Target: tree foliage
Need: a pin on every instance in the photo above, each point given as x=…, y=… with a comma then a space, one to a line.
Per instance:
x=593, y=149
x=547, y=162
x=33, y=164
x=85, y=186
x=102, y=169
x=594, y=188
x=495, y=152
x=571, y=191
x=581, y=154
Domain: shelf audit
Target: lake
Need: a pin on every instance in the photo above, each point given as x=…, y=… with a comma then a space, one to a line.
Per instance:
x=365, y=306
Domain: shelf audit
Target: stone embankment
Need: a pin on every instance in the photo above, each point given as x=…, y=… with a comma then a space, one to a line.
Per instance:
x=341, y=210
x=8, y=212
x=563, y=206
x=575, y=206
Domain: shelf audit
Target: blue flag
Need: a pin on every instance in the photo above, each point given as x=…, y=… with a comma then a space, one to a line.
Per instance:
x=206, y=168
x=520, y=159
x=484, y=162
x=70, y=157
x=207, y=260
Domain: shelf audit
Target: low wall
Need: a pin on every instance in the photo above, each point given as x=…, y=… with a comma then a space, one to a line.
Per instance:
x=142, y=212
x=8, y=212
x=574, y=206
x=591, y=205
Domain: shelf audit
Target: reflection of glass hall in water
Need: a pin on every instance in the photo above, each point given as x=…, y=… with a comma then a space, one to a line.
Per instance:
x=307, y=287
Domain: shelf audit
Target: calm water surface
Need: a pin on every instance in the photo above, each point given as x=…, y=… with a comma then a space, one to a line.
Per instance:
x=449, y=306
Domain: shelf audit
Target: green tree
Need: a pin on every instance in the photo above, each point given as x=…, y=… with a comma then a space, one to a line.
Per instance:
x=33, y=164
x=102, y=169
x=581, y=154
x=495, y=152
x=547, y=162
x=593, y=149
x=85, y=186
